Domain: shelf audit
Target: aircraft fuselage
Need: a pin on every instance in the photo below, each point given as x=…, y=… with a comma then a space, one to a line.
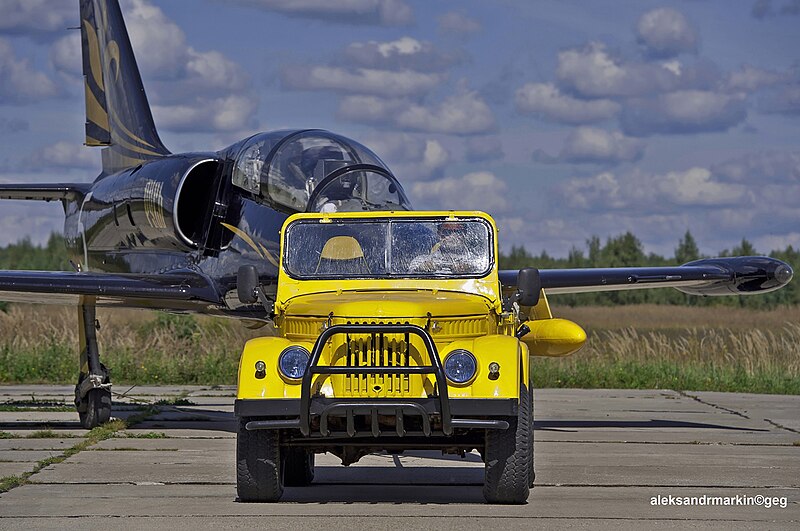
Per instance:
x=174, y=213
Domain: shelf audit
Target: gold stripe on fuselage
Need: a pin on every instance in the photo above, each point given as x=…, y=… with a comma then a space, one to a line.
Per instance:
x=244, y=236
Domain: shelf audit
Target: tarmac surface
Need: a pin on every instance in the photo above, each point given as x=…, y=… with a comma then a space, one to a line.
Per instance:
x=604, y=459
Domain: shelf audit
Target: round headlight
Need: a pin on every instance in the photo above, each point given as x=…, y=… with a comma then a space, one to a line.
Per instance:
x=460, y=366
x=293, y=361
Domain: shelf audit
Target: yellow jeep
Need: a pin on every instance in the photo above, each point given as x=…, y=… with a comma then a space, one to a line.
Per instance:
x=393, y=334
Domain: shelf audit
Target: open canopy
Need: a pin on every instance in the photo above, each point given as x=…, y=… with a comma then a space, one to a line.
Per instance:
x=315, y=171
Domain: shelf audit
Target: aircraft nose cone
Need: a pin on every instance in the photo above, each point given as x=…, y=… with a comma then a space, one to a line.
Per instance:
x=784, y=274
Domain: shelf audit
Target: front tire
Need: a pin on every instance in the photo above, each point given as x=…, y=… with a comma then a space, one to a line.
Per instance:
x=258, y=464
x=509, y=457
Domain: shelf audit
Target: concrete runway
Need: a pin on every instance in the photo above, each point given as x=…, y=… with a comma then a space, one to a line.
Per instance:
x=601, y=456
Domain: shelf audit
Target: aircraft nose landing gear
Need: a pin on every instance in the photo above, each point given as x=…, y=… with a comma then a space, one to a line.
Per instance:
x=93, y=391
x=93, y=399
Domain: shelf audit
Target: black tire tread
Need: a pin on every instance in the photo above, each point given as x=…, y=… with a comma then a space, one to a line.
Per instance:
x=98, y=408
x=533, y=416
x=508, y=458
x=258, y=465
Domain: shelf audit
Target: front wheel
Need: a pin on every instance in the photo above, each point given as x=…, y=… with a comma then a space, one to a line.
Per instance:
x=509, y=457
x=258, y=465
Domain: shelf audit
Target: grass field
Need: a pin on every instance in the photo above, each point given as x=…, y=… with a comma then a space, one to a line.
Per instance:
x=688, y=348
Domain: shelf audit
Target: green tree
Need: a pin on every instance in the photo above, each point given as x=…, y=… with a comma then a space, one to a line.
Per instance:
x=744, y=249
x=687, y=250
x=623, y=251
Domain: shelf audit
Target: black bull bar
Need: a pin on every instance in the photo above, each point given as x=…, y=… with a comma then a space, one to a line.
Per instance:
x=374, y=407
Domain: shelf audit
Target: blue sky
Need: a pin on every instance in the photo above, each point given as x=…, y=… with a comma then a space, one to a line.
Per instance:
x=563, y=119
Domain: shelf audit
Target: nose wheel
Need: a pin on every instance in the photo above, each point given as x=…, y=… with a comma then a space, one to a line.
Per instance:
x=96, y=406
x=93, y=392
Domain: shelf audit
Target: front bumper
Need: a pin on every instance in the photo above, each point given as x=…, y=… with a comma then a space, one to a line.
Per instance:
x=466, y=413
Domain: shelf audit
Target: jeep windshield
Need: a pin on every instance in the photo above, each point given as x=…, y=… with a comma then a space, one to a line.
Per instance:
x=402, y=248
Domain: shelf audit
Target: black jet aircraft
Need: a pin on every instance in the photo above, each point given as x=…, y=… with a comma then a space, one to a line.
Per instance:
x=168, y=231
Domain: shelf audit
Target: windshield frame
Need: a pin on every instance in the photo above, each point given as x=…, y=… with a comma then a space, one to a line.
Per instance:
x=421, y=275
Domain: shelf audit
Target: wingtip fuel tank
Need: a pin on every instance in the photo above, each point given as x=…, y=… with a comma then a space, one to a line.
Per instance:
x=748, y=275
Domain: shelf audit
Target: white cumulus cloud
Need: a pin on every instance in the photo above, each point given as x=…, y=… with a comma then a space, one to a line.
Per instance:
x=465, y=113
x=228, y=113
x=593, y=145
x=372, y=81
x=474, y=191
x=640, y=192
x=666, y=32
x=19, y=81
x=683, y=112
x=411, y=156
x=593, y=72
x=36, y=16
x=405, y=53
x=547, y=102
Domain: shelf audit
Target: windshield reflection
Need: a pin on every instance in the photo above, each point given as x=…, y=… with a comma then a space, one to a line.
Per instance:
x=391, y=248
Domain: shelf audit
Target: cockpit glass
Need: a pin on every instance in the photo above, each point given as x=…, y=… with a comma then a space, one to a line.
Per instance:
x=250, y=161
x=300, y=164
x=404, y=248
x=287, y=167
x=357, y=191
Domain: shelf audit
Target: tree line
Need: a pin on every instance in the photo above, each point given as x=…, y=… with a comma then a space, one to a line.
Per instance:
x=625, y=250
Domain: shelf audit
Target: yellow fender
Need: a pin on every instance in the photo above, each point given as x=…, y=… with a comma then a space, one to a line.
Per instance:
x=273, y=384
x=501, y=349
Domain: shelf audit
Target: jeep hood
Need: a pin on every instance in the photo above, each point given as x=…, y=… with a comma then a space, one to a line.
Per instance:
x=382, y=305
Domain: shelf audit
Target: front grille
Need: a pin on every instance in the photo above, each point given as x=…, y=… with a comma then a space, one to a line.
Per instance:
x=377, y=350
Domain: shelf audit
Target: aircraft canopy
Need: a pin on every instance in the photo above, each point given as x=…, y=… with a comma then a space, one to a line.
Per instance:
x=314, y=171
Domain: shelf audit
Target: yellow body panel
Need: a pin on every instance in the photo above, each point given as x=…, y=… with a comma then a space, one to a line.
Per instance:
x=504, y=350
x=507, y=351
x=458, y=313
x=554, y=337
x=273, y=385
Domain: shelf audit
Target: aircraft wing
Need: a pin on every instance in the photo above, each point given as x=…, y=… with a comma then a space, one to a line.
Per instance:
x=714, y=276
x=177, y=290
x=44, y=192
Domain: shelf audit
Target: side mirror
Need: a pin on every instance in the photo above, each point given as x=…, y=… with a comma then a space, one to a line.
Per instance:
x=529, y=286
x=247, y=283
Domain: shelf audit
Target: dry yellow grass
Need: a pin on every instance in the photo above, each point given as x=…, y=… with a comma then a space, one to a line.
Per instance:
x=28, y=326
x=629, y=346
